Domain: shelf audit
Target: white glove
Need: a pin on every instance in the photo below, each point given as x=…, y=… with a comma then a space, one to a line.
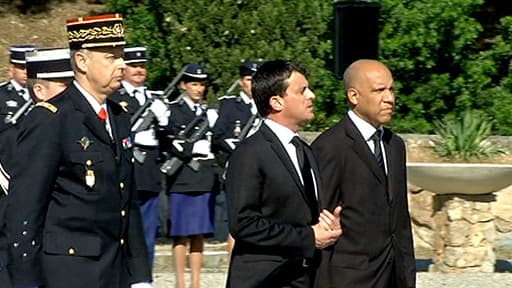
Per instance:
x=232, y=142
x=161, y=112
x=201, y=147
x=141, y=285
x=212, y=117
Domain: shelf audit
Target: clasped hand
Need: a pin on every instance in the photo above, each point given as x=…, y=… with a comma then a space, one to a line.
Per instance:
x=328, y=229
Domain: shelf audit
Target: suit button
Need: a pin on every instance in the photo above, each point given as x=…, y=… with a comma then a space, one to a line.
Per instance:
x=123, y=213
x=121, y=241
x=133, y=160
x=121, y=185
x=71, y=251
x=88, y=162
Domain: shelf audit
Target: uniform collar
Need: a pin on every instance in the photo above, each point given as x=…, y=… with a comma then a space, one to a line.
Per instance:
x=130, y=88
x=92, y=101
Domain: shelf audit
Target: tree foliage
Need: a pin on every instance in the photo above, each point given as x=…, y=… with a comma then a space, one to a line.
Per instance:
x=447, y=56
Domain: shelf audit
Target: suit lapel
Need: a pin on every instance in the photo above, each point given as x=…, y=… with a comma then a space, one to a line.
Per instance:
x=391, y=155
x=280, y=151
x=316, y=174
x=114, y=123
x=361, y=148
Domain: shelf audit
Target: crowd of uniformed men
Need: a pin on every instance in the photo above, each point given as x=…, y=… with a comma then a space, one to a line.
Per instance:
x=66, y=128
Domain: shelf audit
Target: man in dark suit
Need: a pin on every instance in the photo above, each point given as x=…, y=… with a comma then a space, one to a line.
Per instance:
x=363, y=169
x=72, y=216
x=272, y=188
x=134, y=95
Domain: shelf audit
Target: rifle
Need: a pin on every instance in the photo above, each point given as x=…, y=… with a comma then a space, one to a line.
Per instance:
x=193, y=132
x=232, y=87
x=248, y=126
x=240, y=134
x=20, y=112
x=145, y=113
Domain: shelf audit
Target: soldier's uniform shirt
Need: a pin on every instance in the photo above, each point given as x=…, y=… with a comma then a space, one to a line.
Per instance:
x=73, y=218
x=148, y=178
x=147, y=174
x=186, y=179
x=231, y=109
x=191, y=198
x=12, y=97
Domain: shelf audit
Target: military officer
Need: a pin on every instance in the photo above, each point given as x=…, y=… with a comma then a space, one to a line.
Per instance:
x=236, y=112
x=48, y=73
x=191, y=199
x=13, y=93
x=73, y=219
x=134, y=96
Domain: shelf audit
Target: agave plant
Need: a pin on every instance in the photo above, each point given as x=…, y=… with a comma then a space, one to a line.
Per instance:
x=465, y=138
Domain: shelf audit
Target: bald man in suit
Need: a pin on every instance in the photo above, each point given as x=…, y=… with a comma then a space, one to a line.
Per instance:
x=362, y=165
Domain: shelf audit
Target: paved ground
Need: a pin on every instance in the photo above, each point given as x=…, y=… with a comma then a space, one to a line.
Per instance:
x=424, y=280
x=215, y=263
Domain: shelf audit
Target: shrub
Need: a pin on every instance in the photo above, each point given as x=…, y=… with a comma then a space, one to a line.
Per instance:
x=465, y=138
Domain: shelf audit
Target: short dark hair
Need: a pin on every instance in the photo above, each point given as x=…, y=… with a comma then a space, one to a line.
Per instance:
x=271, y=79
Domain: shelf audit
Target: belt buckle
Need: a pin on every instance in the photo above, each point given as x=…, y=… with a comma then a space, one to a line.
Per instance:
x=305, y=263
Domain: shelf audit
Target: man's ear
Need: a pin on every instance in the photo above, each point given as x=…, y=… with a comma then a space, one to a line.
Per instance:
x=352, y=96
x=81, y=58
x=38, y=90
x=276, y=103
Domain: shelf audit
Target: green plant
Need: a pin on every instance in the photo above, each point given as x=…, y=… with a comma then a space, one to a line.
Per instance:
x=465, y=138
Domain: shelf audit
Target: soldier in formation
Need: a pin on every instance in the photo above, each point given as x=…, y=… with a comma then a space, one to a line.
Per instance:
x=148, y=114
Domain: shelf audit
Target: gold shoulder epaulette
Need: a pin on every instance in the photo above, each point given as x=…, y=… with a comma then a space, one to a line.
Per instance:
x=227, y=97
x=48, y=106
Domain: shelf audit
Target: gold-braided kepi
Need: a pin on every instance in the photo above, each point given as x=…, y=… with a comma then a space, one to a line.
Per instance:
x=95, y=31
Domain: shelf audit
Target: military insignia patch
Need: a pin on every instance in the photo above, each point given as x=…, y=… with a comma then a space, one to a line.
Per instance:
x=124, y=105
x=85, y=142
x=127, y=143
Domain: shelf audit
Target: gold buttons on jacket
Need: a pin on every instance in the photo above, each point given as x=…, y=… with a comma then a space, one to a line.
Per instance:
x=121, y=185
x=133, y=160
x=123, y=213
x=122, y=241
x=88, y=162
x=71, y=251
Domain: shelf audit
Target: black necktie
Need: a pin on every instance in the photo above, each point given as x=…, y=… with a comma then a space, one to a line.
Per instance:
x=302, y=150
x=22, y=92
x=197, y=109
x=378, y=152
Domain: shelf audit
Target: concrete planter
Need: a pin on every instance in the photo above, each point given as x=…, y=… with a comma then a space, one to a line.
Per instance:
x=465, y=231
x=460, y=178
